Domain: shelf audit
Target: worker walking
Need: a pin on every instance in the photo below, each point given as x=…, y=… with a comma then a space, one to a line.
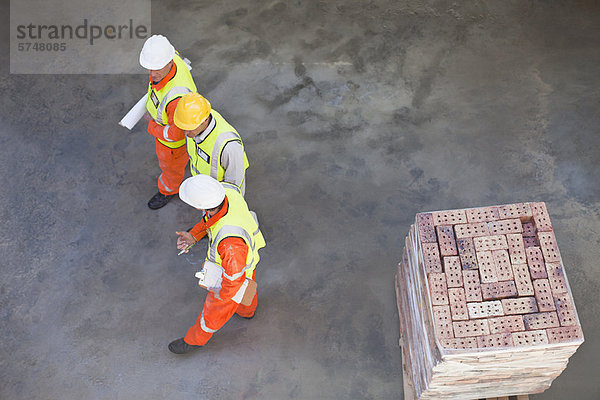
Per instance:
x=214, y=147
x=234, y=240
x=170, y=79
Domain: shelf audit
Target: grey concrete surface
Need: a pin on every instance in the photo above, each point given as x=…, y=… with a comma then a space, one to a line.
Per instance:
x=356, y=115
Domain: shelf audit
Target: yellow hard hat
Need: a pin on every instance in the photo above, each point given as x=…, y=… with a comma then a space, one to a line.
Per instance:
x=191, y=111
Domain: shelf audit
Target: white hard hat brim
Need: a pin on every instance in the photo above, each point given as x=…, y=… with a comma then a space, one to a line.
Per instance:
x=202, y=191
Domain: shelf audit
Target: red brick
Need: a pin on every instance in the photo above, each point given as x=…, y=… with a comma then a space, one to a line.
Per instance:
x=442, y=322
x=565, y=309
x=523, y=280
x=485, y=309
x=453, y=271
x=549, y=246
x=498, y=290
x=564, y=334
x=530, y=241
x=535, y=262
x=556, y=276
x=472, y=285
x=503, y=267
x=511, y=323
x=504, y=226
x=438, y=288
x=458, y=304
x=449, y=217
x=495, y=340
x=426, y=228
x=472, y=230
x=517, y=210
x=431, y=257
x=516, y=248
x=459, y=343
x=466, y=251
x=446, y=240
x=541, y=320
x=543, y=295
x=471, y=328
x=482, y=214
x=541, y=218
x=521, y=305
x=530, y=338
x=487, y=267
x=495, y=242
x=528, y=229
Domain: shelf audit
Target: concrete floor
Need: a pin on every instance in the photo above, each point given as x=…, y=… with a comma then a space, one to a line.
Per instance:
x=356, y=115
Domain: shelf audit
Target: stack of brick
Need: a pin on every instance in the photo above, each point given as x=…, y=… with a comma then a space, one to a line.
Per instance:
x=485, y=306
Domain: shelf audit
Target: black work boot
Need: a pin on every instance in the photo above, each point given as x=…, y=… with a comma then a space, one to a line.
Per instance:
x=248, y=317
x=159, y=200
x=179, y=346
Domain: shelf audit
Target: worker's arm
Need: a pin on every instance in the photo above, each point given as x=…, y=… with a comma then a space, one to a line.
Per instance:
x=232, y=161
x=170, y=132
x=233, y=252
x=199, y=230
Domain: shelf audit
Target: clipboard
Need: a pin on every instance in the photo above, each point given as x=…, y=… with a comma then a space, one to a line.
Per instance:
x=209, y=278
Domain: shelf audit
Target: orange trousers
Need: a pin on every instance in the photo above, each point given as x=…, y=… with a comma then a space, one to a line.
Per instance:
x=214, y=315
x=172, y=163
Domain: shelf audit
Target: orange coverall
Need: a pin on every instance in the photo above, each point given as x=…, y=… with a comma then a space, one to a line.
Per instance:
x=218, y=310
x=172, y=162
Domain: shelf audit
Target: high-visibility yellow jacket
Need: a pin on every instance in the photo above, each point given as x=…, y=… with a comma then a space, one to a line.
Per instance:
x=205, y=157
x=237, y=222
x=157, y=101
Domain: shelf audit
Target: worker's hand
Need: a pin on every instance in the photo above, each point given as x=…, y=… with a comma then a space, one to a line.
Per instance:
x=152, y=124
x=185, y=240
x=147, y=117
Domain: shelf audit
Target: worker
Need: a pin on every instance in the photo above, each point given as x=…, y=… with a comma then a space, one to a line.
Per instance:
x=170, y=79
x=233, y=243
x=213, y=145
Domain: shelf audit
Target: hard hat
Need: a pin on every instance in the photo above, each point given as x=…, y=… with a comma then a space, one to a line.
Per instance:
x=156, y=53
x=192, y=110
x=202, y=191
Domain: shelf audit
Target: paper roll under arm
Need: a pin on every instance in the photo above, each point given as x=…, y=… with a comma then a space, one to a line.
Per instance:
x=135, y=114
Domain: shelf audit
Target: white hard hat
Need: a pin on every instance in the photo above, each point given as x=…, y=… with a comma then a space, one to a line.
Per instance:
x=202, y=191
x=157, y=52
